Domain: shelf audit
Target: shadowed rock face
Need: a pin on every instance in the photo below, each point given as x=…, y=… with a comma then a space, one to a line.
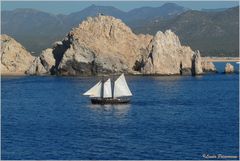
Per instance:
x=76, y=60
x=15, y=59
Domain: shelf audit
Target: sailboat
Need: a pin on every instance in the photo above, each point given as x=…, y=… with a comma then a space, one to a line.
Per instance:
x=103, y=93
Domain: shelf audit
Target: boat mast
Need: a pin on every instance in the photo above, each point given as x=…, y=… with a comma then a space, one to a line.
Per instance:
x=102, y=89
x=113, y=81
x=113, y=86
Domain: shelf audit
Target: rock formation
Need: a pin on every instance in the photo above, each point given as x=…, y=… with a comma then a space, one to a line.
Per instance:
x=208, y=67
x=15, y=59
x=167, y=56
x=106, y=45
x=102, y=44
x=229, y=68
x=48, y=60
x=43, y=64
x=197, y=64
x=36, y=68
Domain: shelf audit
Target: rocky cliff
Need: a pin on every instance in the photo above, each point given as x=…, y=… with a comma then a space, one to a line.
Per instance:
x=15, y=59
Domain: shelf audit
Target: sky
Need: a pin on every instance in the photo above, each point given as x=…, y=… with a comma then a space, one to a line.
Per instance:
x=66, y=7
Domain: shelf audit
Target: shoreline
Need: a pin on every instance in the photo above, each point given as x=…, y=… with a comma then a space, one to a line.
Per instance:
x=137, y=75
x=221, y=59
x=208, y=59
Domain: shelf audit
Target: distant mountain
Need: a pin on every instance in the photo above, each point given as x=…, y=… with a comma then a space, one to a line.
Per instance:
x=34, y=29
x=76, y=17
x=165, y=11
x=213, y=33
x=139, y=16
x=37, y=30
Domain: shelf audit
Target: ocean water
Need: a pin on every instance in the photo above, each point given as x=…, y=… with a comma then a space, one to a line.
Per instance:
x=169, y=118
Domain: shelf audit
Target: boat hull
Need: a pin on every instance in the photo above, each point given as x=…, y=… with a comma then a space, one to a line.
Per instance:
x=110, y=100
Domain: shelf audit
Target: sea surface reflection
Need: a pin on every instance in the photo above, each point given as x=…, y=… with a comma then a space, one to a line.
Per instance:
x=119, y=111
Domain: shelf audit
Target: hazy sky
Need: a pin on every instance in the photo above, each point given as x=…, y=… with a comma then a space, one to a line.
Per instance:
x=66, y=7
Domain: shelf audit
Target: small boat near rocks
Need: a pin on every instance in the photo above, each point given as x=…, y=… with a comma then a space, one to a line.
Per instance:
x=106, y=92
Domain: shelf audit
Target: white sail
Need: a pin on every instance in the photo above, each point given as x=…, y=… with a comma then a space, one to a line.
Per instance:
x=95, y=91
x=121, y=88
x=107, y=92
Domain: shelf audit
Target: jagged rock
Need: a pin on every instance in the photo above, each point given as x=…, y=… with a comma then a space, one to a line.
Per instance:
x=48, y=60
x=197, y=64
x=167, y=56
x=15, y=59
x=36, y=68
x=229, y=68
x=101, y=45
x=208, y=66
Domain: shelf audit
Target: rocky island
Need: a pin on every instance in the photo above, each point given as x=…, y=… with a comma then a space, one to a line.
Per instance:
x=103, y=45
x=229, y=68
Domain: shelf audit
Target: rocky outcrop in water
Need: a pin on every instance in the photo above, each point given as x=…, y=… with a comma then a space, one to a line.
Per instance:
x=208, y=67
x=229, y=68
x=104, y=44
x=15, y=59
x=197, y=64
x=167, y=56
x=101, y=45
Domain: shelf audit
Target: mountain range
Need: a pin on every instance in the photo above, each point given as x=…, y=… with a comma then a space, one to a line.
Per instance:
x=213, y=32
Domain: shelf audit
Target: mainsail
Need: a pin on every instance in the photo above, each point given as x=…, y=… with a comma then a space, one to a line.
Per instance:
x=95, y=91
x=104, y=89
x=107, y=92
x=121, y=88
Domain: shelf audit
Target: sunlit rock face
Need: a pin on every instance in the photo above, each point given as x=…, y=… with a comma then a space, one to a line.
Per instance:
x=167, y=56
x=208, y=67
x=229, y=68
x=36, y=68
x=43, y=64
x=15, y=59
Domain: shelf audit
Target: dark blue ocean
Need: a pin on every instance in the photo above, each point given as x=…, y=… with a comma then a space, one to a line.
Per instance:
x=170, y=117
